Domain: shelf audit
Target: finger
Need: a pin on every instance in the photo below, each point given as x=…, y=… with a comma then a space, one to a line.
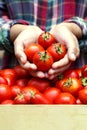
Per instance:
x=38, y=74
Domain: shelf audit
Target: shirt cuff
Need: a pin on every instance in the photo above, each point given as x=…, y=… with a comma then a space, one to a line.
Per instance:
x=81, y=23
x=5, y=34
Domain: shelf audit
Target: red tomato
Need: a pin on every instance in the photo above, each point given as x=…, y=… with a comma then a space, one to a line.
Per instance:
x=15, y=90
x=29, y=92
x=71, y=85
x=3, y=80
x=57, y=51
x=46, y=39
x=31, y=49
x=39, y=98
x=84, y=70
x=79, y=71
x=21, y=72
x=51, y=93
x=82, y=95
x=43, y=60
x=7, y=102
x=5, y=92
x=65, y=98
x=21, y=82
x=40, y=84
x=71, y=73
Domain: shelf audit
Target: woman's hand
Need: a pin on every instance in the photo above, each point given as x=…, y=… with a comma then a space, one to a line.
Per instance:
x=26, y=36
x=68, y=35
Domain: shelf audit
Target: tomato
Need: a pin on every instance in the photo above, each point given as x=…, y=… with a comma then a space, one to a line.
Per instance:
x=15, y=90
x=31, y=49
x=3, y=80
x=71, y=73
x=57, y=51
x=40, y=84
x=82, y=95
x=39, y=98
x=84, y=81
x=21, y=82
x=65, y=98
x=21, y=72
x=71, y=85
x=46, y=39
x=5, y=92
x=51, y=93
x=29, y=92
x=43, y=60
x=84, y=71
x=7, y=102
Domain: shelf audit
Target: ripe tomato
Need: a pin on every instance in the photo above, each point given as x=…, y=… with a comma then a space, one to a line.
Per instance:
x=79, y=71
x=21, y=72
x=7, y=102
x=10, y=79
x=5, y=92
x=82, y=95
x=43, y=60
x=40, y=84
x=29, y=92
x=57, y=51
x=51, y=93
x=65, y=98
x=84, y=70
x=71, y=73
x=46, y=39
x=39, y=98
x=15, y=90
x=71, y=85
x=31, y=49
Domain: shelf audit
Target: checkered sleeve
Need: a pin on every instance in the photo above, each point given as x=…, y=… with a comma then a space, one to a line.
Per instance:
x=5, y=33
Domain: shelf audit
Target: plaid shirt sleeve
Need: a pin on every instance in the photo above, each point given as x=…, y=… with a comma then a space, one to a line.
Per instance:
x=5, y=26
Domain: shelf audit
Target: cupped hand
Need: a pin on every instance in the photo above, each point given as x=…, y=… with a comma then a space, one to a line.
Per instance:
x=65, y=36
x=25, y=37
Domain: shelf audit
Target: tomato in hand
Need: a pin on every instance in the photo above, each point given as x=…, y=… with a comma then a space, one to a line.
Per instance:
x=43, y=60
x=31, y=49
x=65, y=98
x=46, y=39
x=57, y=51
x=40, y=84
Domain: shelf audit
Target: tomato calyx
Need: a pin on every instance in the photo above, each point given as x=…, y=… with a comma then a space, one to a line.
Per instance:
x=58, y=49
x=46, y=36
x=68, y=82
x=44, y=56
x=84, y=81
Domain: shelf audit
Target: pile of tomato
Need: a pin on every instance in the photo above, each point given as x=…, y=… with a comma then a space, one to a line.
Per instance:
x=17, y=86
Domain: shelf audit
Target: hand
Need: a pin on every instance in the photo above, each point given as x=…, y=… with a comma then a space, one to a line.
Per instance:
x=26, y=36
x=64, y=35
